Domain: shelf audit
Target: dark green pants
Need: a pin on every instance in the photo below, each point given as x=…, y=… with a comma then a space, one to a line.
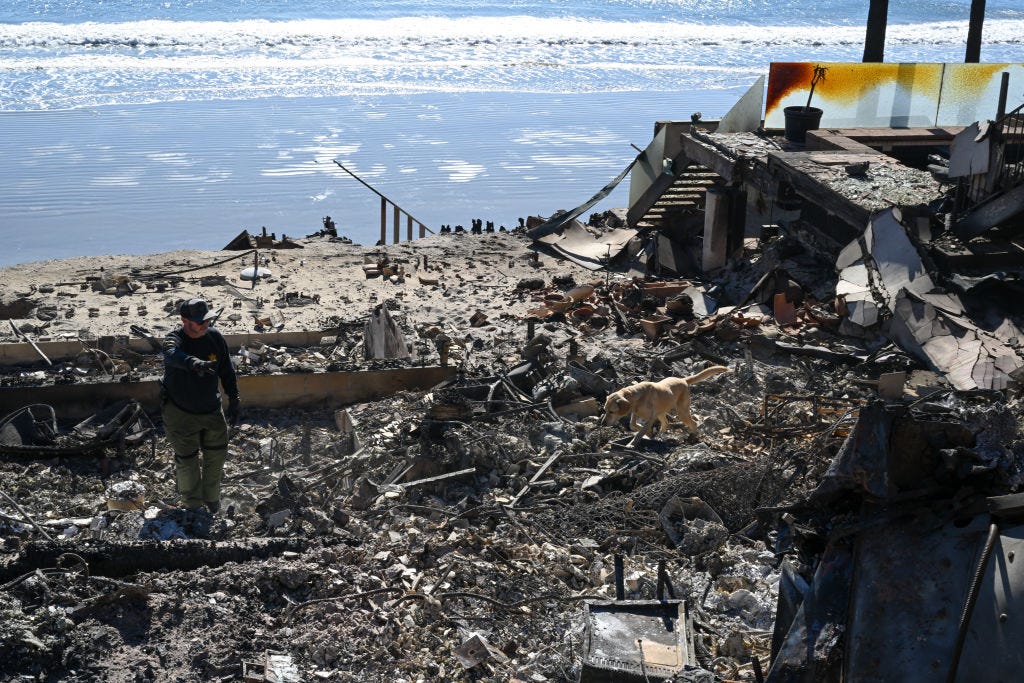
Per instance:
x=199, y=477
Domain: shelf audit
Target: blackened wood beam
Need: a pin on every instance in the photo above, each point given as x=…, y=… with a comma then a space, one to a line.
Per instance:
x=874, y=41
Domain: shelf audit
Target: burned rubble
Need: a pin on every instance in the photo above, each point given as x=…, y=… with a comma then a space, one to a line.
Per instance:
x=487, y=524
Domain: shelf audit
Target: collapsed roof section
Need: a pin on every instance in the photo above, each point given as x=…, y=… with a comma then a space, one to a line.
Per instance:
x=906, y=213
x=884, y=283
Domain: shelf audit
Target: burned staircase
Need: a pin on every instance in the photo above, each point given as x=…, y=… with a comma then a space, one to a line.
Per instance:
x=683, y=192
x=666, y=184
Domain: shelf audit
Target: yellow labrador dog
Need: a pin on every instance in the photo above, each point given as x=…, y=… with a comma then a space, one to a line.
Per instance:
x=654, y=401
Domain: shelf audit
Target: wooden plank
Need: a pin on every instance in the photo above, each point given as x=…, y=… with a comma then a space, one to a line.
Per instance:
x=825, y=140
x=543, y=468
x=319, y=389
x=662, y=207
x=22, y=335
x=440, y=477
x=865, y=139
x=931, y=133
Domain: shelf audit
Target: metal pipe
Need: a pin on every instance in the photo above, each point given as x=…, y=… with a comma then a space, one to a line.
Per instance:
x=620, y=581
x=28, y=518
x=1004, y=88
x=972, y=597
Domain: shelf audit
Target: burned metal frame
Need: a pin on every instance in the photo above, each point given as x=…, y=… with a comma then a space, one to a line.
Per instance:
x=999, y=190
x=843, y=412
x=35, y=426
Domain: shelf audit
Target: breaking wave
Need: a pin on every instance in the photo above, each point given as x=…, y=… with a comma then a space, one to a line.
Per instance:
x=54, y=65
x=400, y=35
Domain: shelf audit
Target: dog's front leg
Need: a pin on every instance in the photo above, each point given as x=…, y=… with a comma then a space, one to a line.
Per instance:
x=646, y=431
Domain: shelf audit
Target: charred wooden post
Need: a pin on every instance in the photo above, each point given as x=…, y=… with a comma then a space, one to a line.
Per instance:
x=973, y=54
x=874, y=41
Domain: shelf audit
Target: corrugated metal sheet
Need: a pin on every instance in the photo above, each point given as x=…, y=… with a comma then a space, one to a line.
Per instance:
x=891, y=95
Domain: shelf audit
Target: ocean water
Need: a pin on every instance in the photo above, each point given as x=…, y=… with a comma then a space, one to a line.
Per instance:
x=134, y=126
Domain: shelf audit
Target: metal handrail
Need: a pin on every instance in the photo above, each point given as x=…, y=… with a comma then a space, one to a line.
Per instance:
x=1007, y=171
x=397, y=210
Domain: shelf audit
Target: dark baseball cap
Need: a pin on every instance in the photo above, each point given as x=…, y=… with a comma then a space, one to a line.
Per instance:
x=198, y=311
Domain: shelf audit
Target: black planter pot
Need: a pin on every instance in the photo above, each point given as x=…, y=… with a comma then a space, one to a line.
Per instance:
x=799, y=120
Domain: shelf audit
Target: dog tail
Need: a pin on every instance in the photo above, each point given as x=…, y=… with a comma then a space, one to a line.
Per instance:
x=707, y=373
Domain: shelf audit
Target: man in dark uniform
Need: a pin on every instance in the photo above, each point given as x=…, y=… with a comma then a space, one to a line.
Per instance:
x=196, y=357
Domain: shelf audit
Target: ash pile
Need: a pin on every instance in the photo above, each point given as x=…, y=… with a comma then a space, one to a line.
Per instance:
x=839, y=495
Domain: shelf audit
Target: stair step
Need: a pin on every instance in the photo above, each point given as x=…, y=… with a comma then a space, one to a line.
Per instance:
x=672, y=208
x=681, y=203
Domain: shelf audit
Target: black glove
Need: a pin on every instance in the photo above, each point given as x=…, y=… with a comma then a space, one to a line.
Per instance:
x=202, y=367
x=231, y=414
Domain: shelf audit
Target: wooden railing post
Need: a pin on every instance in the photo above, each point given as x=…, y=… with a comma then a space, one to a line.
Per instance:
x=384, y=201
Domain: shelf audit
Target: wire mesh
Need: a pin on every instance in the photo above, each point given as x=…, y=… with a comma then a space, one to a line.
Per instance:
x=735, y=492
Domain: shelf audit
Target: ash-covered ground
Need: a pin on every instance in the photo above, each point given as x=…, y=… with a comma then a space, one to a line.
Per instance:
x=455, y=533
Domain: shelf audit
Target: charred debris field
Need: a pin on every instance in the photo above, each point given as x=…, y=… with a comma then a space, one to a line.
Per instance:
x=470, y=517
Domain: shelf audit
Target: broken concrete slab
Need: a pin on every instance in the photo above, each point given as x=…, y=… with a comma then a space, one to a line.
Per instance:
x=882, y=272
x=968, y=357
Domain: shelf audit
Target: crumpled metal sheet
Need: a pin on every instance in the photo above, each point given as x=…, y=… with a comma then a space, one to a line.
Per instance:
x=862, y=463
x=592, y=251
x=810, y=651
x=557, y=222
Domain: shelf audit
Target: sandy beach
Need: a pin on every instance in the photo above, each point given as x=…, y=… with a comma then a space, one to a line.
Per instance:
x=311, y=288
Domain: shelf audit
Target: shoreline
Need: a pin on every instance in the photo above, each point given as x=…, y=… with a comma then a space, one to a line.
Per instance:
x=144, y=179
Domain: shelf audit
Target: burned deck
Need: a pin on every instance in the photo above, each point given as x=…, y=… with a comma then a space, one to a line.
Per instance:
x=849, y=180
